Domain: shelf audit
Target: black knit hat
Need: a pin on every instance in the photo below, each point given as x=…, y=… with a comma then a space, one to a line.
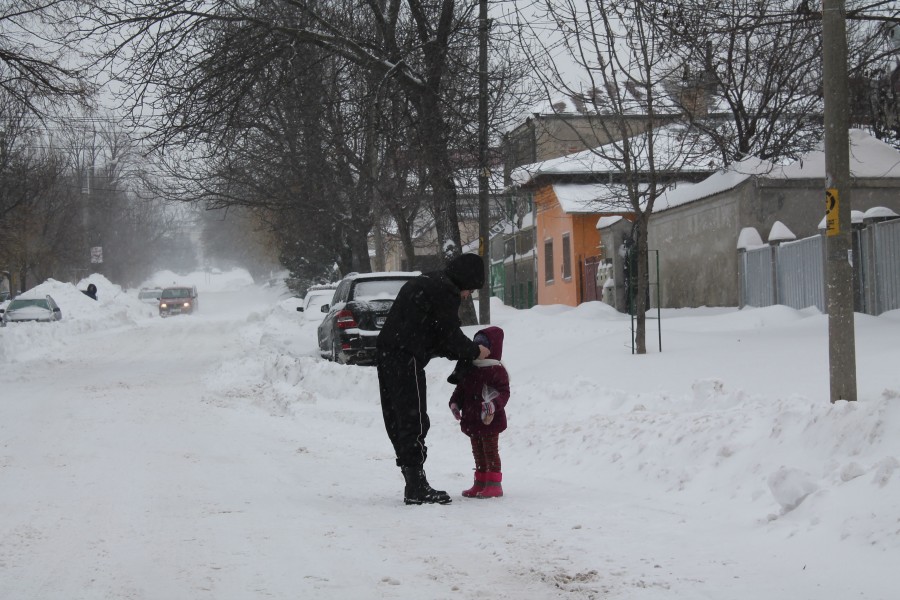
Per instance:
x=466, y=271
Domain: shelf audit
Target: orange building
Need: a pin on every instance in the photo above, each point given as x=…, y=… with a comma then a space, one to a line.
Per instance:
x=571, y=193
x=566, y=237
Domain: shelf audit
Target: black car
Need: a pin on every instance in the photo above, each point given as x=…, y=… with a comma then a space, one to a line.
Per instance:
x=356, y=314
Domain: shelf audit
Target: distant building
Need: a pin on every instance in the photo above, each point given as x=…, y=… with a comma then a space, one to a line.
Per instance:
x=572, y=192
x=696, y=228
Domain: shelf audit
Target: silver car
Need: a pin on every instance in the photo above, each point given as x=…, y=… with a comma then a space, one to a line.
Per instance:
x=150, y=295
x=31, y=309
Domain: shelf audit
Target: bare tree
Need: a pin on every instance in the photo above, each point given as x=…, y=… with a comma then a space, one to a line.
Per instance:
x=608, y=57
x=35, y=227
x=36, y=67
x=751, y=82
x=408, y=43
x=760, y=64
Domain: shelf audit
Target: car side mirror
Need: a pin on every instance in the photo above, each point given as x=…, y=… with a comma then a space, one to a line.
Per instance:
x=324, y=308
x=57, y=309
x=299, y=309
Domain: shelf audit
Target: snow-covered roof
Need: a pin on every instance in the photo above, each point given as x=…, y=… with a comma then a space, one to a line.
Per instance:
x=721, y=180
x=869, y=158
x=604, y=222
x=592, y=198
x=670, y=151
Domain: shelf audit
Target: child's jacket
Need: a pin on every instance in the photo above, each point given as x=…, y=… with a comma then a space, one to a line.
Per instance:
x=468, y=393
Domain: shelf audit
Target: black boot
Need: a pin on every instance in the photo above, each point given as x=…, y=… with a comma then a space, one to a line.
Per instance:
x=418, y=491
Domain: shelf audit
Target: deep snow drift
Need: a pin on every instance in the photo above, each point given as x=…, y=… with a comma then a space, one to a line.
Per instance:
x=217, y=456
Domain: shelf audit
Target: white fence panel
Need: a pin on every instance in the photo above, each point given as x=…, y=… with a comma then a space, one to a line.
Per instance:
x=886, y=238
x=757, y=283
x=800, y=273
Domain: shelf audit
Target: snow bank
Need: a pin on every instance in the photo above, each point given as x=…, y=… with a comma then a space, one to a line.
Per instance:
x=582, y=404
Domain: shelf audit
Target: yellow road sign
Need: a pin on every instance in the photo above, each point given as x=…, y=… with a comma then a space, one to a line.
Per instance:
x=832, y=223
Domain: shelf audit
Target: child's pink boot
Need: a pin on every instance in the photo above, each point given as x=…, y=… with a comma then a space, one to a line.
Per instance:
x=492, y=487
x=479, y=485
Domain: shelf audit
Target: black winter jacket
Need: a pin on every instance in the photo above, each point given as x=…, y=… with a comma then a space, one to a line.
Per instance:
x=424, y=321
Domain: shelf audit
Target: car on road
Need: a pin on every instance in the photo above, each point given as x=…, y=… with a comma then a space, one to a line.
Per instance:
x=42, y=308
x=356, y=315
x=178, y=300
x=150, y=295
x=316, y=297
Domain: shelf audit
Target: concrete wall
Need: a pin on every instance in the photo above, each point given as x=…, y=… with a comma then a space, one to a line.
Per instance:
x=697, y=251
x=697, y=242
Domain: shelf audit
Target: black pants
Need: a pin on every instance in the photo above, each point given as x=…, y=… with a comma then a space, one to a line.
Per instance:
x=401, y=383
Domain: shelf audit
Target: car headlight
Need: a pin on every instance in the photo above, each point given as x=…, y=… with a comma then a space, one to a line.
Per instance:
x=163, y=305
x=187, y=304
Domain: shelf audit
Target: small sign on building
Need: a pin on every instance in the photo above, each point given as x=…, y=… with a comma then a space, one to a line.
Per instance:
x=97, y=255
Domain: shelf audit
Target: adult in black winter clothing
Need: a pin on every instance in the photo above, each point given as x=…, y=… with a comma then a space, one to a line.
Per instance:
x=423, y=323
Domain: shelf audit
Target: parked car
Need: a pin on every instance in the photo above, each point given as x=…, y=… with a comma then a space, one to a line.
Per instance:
x=150, y=295
x=178, y=300
x=22, y=309
x=356, y=315
x=315, y=298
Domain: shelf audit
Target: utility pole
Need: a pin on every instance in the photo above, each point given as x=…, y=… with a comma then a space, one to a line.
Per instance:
x=838, y=240
x=484, y=297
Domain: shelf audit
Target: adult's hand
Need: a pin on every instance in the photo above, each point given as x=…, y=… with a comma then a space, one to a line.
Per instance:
x=483, y=352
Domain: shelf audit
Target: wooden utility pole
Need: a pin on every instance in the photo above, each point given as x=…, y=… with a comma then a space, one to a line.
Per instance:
x=838, y=240
x=484, y=296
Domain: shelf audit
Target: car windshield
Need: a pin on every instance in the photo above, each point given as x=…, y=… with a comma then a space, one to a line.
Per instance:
x=24, y=303
x=176, y=293
x=378, y=289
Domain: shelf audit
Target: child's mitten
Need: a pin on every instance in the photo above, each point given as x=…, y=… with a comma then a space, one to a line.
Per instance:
x=487, y=412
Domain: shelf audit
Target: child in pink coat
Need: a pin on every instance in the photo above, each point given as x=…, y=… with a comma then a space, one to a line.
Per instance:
x=479, y=403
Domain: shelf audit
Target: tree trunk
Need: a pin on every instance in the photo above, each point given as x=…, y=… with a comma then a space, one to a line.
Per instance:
x=643, y=285
x=409, y=250
x=359, y=244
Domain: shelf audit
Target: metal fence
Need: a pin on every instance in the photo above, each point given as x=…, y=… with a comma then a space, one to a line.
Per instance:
x=793, y=273
x=880, y=250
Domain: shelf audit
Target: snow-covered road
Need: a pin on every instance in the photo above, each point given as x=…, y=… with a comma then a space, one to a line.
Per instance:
x=217, y=457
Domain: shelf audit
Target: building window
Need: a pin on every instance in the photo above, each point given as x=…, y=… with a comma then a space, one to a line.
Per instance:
x=548, y=260
x=567, y=257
